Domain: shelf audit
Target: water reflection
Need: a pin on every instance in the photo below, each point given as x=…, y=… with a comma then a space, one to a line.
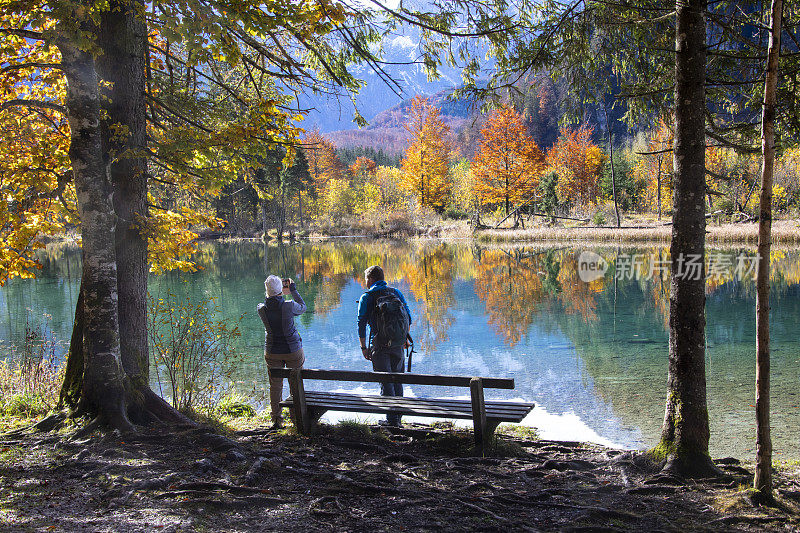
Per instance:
x=592, y=355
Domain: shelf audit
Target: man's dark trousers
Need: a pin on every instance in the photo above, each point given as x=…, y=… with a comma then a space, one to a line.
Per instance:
x=390, y=360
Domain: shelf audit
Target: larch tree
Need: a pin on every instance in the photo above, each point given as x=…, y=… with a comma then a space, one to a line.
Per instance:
x=579, y=165
x=508, y=164
x=323, y=163
x=426, y=164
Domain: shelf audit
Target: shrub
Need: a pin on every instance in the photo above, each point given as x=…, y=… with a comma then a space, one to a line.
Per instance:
x=193, y=352
x=599, y=219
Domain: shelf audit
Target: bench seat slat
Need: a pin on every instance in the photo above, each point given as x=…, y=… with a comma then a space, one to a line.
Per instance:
x=466, y=405
x=392, y=377
x=460, y=409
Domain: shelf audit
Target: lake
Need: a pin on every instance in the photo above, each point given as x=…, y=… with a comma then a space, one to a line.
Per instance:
x=592, y=353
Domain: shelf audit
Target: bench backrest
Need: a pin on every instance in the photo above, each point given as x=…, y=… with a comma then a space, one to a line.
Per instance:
x=392, y=377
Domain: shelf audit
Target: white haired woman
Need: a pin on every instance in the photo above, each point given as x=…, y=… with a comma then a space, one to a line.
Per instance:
x=283, y=346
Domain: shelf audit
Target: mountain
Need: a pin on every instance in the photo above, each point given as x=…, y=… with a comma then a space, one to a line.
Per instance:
x=402, y=58
x=386, y=129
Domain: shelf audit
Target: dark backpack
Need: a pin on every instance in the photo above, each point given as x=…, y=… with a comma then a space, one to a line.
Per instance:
x=391, y=319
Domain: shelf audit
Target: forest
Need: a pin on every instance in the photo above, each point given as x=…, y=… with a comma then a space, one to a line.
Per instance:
x=136, y=128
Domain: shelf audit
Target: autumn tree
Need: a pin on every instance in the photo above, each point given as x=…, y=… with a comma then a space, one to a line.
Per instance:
x=363, y=169
x=298, y=178
x=112, y=92
x=579, y=165
x=655, y=168
x=508, y=163
x=323, y=163
x=465, y=197
x=426, y=163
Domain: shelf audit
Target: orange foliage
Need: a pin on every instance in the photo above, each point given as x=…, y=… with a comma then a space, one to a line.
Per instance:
x=426, y=165
x=509, y=163
x=656, y=168
x=323, y=163
x=363, y=169
x=578, y=163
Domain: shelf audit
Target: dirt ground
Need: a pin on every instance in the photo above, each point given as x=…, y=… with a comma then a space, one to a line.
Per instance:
x=354, y=477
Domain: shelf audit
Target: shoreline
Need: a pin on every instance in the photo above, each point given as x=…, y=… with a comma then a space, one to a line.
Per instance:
x=785, y=233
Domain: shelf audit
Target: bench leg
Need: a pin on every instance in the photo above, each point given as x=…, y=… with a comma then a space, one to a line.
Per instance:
x=490, y=428
x=478, y=411
x=301, y=415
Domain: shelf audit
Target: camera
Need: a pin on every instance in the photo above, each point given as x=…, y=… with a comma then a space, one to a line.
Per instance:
x=286, y=282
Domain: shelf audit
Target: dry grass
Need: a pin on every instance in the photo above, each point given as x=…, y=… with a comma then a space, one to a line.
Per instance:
x=784, y=232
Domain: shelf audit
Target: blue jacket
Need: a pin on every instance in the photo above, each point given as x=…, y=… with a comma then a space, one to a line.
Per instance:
x=366, y=304
x=278, y=315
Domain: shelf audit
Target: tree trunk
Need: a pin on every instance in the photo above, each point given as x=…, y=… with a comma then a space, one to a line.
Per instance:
x=763, y=477
x=264, y=218
x=300, y=207
x=122, y=37
x=103, y=380
x=658, y=181
x=613, y=174
x=112, y=193
x=73, y=375
x=685, y=432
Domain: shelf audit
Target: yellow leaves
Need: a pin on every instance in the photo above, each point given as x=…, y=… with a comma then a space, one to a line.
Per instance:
x=171, y=241
x=426, y=164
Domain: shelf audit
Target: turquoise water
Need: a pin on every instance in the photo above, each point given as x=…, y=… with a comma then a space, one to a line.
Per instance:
x=593, y=356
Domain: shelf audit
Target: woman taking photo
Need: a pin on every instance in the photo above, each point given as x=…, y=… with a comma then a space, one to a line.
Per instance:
x=283, y=346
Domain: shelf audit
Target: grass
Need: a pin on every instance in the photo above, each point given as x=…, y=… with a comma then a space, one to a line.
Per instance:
x=643, y=231
x=519, y=431
x=30, y=380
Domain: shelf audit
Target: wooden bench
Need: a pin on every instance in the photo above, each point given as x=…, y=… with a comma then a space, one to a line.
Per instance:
x=308, y=406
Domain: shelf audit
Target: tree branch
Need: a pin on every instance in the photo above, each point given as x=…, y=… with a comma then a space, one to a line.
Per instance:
x=41, y=104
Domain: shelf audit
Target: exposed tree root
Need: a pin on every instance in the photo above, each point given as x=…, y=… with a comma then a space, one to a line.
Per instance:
x=691, y=466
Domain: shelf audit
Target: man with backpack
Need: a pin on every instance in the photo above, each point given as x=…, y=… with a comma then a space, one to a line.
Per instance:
x=384, y=309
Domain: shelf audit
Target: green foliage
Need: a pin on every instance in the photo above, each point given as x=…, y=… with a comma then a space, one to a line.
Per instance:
x=547, y=192
x=599, y=219
x=454, y=213
x=349, y=155
x=351, y=429
x=629, y=191
x=191, y=351
x=233, y=405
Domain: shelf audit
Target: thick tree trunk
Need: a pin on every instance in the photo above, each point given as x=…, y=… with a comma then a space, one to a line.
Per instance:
x=104, y=381
x=763, y=477
x=685, y=433
x=117, y=182
x=122, y=38
x=73, y=375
